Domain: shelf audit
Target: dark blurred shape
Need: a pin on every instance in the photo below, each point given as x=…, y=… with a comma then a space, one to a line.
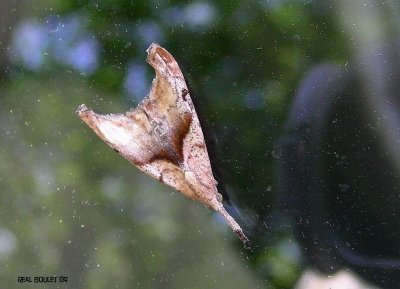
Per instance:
x=339, y=173
x=9, y=15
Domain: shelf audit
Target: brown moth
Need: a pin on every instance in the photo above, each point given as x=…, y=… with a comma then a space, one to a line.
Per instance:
x=163, y=137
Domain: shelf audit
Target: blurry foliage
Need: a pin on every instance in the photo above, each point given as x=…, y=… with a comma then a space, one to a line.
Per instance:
x=74, y=205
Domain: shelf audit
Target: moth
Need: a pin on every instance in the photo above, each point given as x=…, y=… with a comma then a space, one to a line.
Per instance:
x=162, y=136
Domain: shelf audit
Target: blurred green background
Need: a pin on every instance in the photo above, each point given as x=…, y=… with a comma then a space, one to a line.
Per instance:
x=70, y=206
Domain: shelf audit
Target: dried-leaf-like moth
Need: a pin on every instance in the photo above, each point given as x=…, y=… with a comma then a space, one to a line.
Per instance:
x=163, y=137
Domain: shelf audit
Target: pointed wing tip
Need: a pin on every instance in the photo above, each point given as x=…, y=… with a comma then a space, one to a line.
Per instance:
x=81, y=109
x=162, y=61
x=152, y=51
x=86, y=114
x=153, y=46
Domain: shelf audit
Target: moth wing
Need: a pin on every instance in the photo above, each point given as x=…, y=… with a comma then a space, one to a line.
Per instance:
x=169, y=174
x=166, y=104
x=128, y=134
x=170, y=96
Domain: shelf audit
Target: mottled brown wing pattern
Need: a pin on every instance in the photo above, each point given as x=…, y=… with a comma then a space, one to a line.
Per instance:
x=163, y=136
